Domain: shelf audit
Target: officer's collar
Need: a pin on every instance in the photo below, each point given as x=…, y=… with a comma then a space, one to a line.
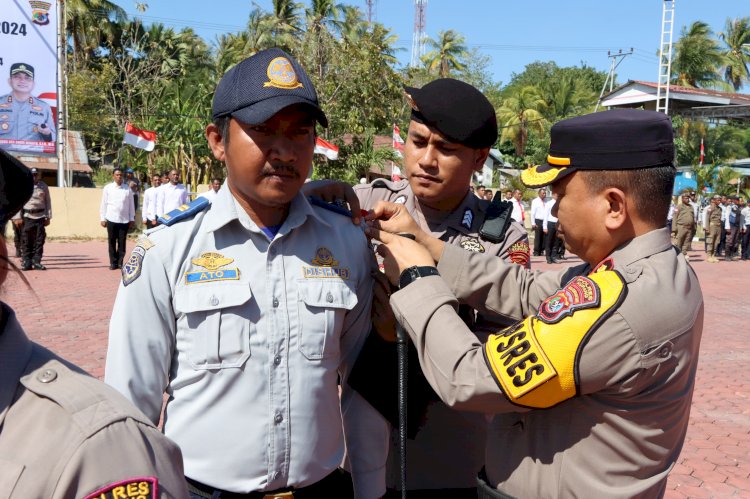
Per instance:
x=15, y=352
x=455, y=219
x=643, y=246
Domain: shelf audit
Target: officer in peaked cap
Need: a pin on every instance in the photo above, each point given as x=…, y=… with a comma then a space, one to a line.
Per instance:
x=261, y=302
x=64, y=433
x=451, y=130
x=23, y=116
x=590, y=389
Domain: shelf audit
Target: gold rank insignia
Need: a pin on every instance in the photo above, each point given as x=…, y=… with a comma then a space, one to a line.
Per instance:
x=326, y=266
x=212, y=261
x=281, y=74
x=141, y=487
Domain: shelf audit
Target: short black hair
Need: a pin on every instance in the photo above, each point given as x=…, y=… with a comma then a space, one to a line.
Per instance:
x=651, y=188
x=222, y=123
x=116, y=169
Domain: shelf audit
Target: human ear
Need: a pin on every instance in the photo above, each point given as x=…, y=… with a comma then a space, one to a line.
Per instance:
x=617, y=208
x=215, y=141
x=480, y=156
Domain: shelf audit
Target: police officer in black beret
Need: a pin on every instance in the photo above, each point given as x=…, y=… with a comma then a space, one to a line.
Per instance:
x=590, y=389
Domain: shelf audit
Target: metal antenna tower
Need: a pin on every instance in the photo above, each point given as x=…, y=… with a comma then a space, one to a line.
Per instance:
x=419, y=36
x=372, y=10
x=611, y=76
x=665, y=57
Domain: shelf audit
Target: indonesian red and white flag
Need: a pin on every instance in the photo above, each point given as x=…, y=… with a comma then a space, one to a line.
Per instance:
x=327, y=149
x=142, y=139
x=398, y=142
x=703, y=155
x=395, y=172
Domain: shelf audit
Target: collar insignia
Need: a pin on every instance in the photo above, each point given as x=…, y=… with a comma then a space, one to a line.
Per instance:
x=468, y=219
x=281, y=73
x=472, y=245
x=212, y=261
x=400, y=200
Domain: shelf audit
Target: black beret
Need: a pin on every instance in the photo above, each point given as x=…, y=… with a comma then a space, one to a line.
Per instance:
x=262, y=85
x=457, y=110
x=620, y=139
x=21, y=67
x=16, y=186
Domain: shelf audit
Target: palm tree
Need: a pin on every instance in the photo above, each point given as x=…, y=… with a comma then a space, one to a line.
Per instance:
x=566, y=96
x=697, y=58
x=448, y=50
x=519, y=114
x=736, y=38
x=284, y=24
x=88, y=23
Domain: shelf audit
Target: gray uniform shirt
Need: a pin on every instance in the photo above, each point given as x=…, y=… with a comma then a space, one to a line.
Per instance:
x=249, y=336
x=67, y=435
x=23, y=120
x=448, y=451
x=39, y=204
x=622, y=432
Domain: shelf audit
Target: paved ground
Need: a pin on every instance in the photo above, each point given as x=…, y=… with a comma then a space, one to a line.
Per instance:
x=67, y=309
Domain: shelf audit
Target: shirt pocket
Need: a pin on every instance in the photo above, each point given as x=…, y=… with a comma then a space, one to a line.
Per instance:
x=322, y=307
x=217, y=323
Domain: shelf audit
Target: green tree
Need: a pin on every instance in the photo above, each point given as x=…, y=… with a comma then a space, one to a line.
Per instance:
x=736, y=38
x=448, y=52
x=89, y=23
x=521, y=113
x=697, y=58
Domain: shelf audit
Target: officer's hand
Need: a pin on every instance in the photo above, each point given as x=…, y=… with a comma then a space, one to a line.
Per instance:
x=44, y=130
x=399, y=253
x=334, y=191
x=383, y=320
x=46, y=222
x=394, y=218
x=104, y=224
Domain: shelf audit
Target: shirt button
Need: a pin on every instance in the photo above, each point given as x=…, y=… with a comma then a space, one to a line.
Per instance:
x=277, y=360
x=278, y=418
x=329, y=297
x=47, y=375
x=664, y=352
x=275, y=303
x=213, y=301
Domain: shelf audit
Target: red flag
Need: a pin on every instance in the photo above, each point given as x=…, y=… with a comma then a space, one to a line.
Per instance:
x=327, y=149
x=702, y=156
x=398, y=142
x=142, y=139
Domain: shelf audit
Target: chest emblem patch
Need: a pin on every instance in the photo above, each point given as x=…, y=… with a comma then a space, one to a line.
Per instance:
x=580, y=293
x=472, y=245
x=325, y=266
x=212, y=262
x=142, y=487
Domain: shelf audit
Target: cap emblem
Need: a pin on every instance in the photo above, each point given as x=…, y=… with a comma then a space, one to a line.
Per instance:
x=411, y=102
x=281, y=73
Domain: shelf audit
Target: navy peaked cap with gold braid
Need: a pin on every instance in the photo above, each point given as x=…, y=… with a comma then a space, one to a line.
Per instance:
x=262, y=85
x=620, y=139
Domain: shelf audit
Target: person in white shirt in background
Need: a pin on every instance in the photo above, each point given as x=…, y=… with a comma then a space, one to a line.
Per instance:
x=552, y=244
x=149, y=202
x=210, y=194
x=519, y=212
x=171, y=195
x=537, y=220
x=117, y=214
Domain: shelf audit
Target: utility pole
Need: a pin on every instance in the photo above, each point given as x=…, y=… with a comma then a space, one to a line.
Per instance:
x=665, y=57
x=419, y=36
x=372, y=10
x=616, y=60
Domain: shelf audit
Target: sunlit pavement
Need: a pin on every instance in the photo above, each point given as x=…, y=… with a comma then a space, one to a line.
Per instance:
x=68, y=306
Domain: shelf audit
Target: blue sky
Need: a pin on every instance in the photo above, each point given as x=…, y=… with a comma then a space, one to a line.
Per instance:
x=512, y=34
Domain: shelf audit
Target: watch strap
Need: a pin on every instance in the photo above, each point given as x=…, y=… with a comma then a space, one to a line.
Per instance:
x=411, y=274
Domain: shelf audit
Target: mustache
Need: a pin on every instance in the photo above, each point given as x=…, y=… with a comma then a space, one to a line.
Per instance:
x=273, y=169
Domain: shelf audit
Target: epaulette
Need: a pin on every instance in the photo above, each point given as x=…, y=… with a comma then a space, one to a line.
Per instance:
x=315, y=201
x=380, y=183
x=184, y=211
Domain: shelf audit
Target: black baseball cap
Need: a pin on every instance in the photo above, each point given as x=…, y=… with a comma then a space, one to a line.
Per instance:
x=16, y=186
x=456, y=109
x=620, y=139
x=21, y=67
x=262, y=85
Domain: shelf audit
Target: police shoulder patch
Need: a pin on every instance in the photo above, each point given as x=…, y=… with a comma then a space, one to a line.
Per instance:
x=184, y=211
x=135, y=488
x=519, y=253
x=535, y=362
x=131, y=270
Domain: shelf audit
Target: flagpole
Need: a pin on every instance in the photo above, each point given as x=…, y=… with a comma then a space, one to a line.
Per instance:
x=61, y=125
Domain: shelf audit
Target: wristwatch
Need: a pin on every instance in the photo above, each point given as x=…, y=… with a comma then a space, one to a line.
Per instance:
x=411, y=274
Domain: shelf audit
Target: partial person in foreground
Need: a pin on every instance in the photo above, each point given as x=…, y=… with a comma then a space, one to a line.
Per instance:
x=64, y=434
x=257, y=304
x=591, y=388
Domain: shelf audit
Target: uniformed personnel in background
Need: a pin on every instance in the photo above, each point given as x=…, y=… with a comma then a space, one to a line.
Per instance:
x=683, y=224
x=64, y=434
x=591, y=388
x=23, y=116
x=713, y=228
x=32, y=220
x=451, y=130
x=256, y=304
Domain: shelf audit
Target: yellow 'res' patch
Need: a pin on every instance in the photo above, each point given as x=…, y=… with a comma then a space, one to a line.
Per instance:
x=534, y=361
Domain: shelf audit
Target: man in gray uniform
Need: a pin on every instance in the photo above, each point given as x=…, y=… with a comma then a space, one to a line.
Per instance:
x=591, y=388
x=257, y=303
x=23, y=116
x=64, y=434
x=33, y=219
